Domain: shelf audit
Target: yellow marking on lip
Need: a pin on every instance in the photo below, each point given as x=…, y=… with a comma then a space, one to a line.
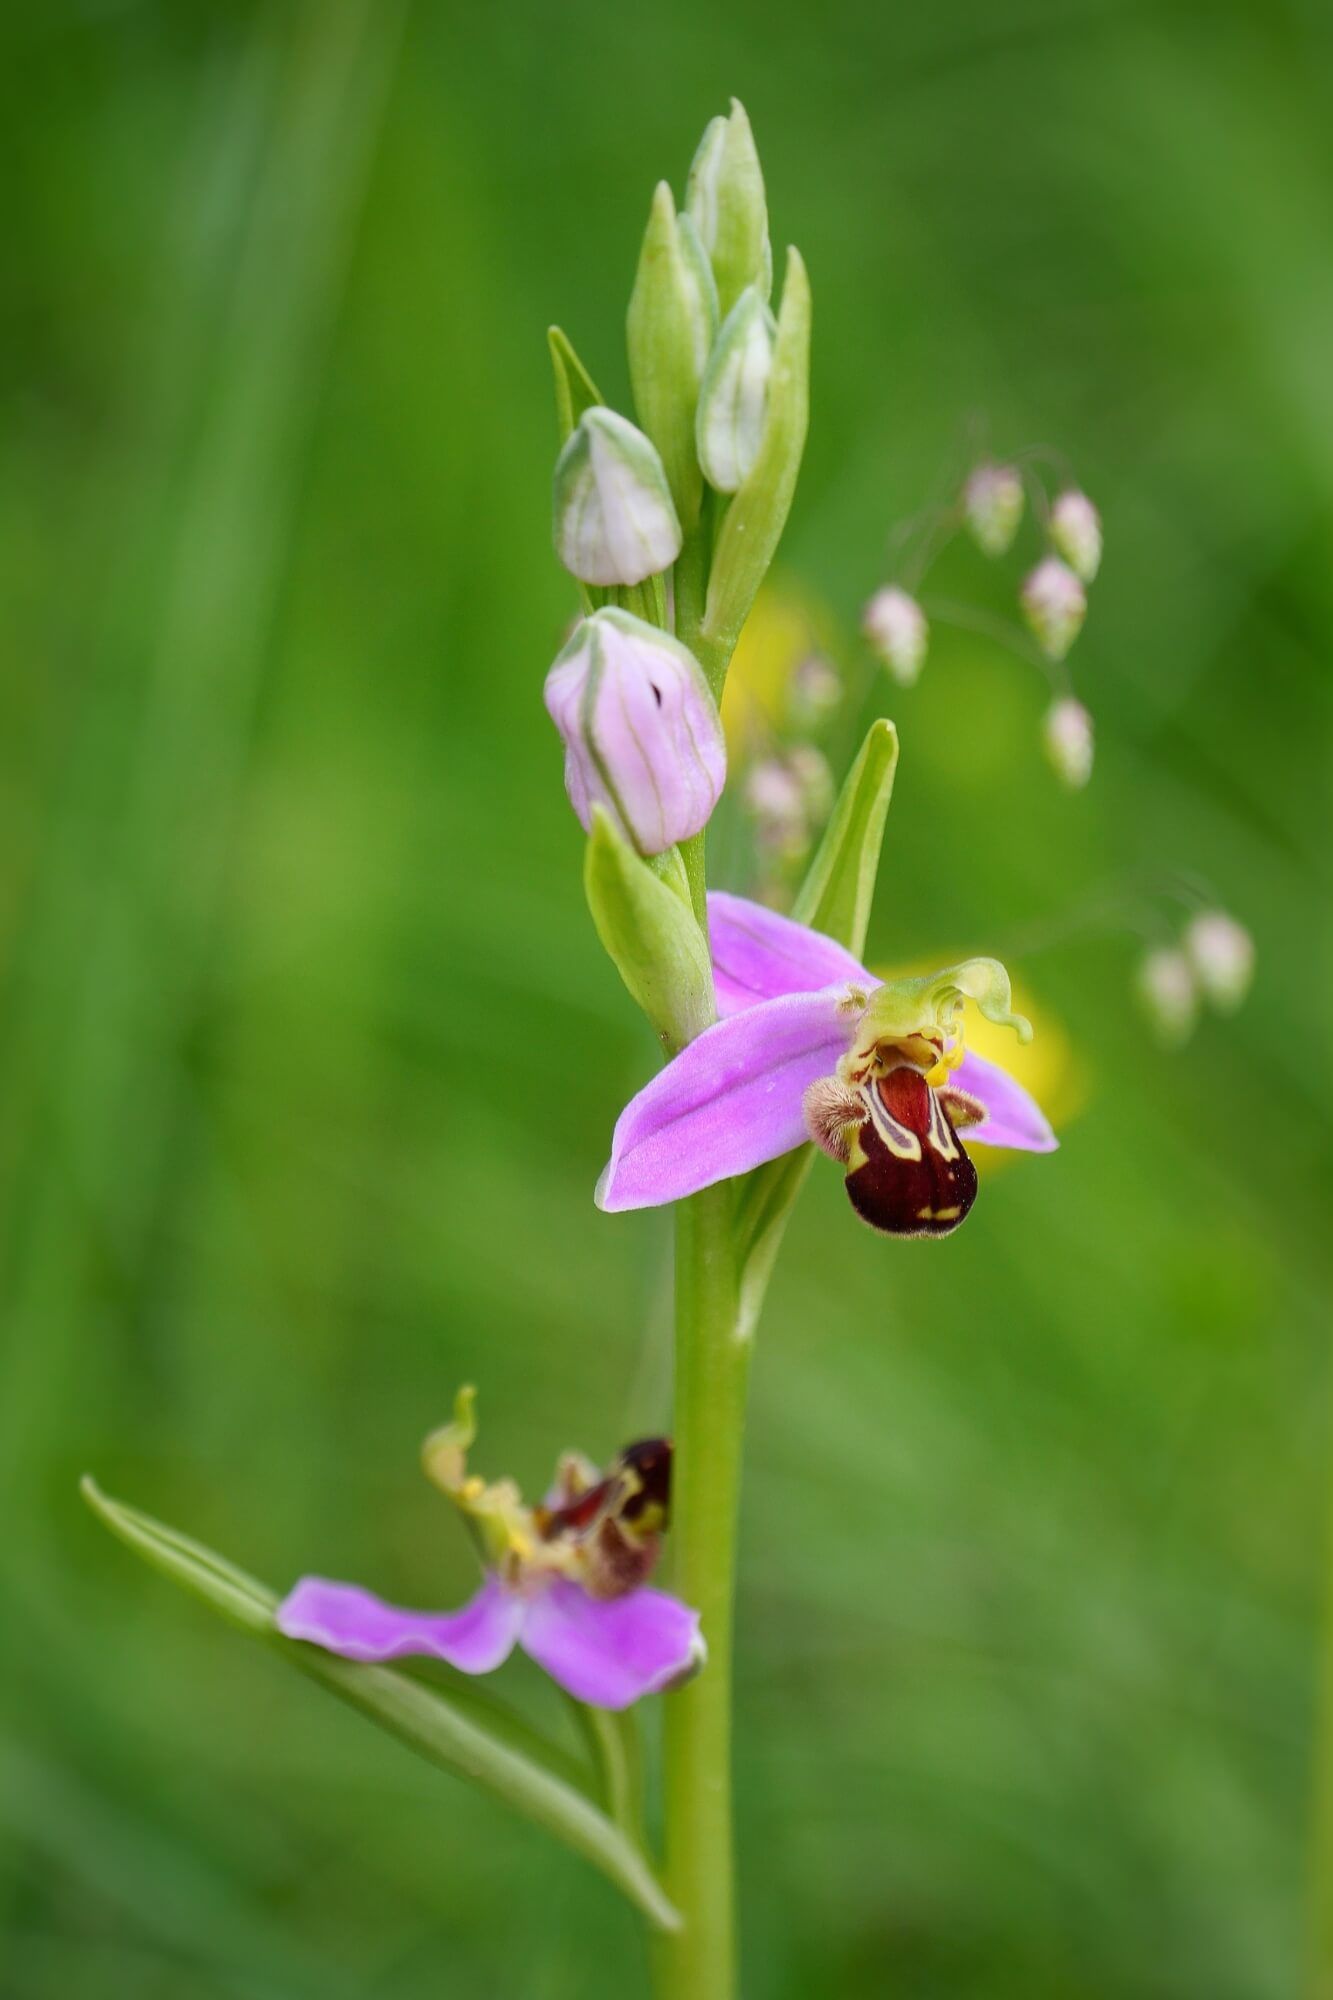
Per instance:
x=938, y=1214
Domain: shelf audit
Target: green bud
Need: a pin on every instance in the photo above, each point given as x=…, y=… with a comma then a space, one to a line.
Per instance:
x=725, y=199
x=752, y=527
x=671, y=324
x=650, y=935
x=615, y=521
x=733, y=401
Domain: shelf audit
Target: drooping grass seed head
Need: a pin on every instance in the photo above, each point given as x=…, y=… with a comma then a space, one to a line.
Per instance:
x=1055, y=604
x=1066, y=734
x=1076, y=531
x=1169, y=995
x=993, y=507
x=896, y=627
x=1221, y=951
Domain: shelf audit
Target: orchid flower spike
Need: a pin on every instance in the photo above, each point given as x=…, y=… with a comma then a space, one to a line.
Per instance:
x=566, y=1581
x=810, y=1044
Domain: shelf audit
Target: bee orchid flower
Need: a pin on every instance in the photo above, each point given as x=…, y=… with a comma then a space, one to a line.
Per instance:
x=810, y=1044
x=566, y=1581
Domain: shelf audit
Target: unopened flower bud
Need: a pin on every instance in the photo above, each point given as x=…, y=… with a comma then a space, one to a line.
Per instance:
x=1066, y=733
x=641, y=730
x=1076, y=530
x=1222, y=954
x=615, y=521
x=1054, y=604
x=896, y=627
x=1169, y=995
x=993, y=504
x=815, y=691
x=726, y=202
x=733, y=399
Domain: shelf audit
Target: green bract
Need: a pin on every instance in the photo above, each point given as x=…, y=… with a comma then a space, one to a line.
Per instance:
x=575, y=390
x=649, y=932
x=671, y=323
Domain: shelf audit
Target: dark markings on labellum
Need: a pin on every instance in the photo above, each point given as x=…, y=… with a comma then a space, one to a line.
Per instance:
x=909, y=1174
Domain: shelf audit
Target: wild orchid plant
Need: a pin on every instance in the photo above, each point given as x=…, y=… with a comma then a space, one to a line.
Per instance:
x=775, y=1035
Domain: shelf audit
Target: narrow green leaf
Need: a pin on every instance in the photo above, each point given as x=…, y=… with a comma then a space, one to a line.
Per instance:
x=840, y=884
x=753, y=524
x=650, y=934
x=426, y=1719
x=835, y=898
x=615, y=1744
x=575, y=390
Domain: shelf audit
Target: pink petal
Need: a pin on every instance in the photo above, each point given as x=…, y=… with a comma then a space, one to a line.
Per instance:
x=1012, y=1117
x=346, y=1620
x=729, y=1101
x=610, y=1651
x=758, y=955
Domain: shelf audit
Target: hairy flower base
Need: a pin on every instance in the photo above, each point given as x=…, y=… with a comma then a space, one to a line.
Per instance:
x=811, y=1044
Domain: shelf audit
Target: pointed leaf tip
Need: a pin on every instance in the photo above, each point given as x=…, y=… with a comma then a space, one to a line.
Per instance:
x=840, y=886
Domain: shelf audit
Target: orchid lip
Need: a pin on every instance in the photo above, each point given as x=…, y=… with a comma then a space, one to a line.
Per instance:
x=796, y=1008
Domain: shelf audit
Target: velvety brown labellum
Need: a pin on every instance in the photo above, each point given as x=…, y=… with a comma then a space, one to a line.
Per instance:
x=909, y=1175
x=637, y=1491
x=649, y=1461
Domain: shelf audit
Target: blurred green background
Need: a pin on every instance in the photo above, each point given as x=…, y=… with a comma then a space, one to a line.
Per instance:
x=310, y=1057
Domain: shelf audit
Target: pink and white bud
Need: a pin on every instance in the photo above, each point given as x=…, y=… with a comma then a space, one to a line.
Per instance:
x=1076, y=530
x=614, y=518
x=1221, y=952
x=1169, y=995
x=1054, y=604
x=993, y=505
x=896, y=627
x=1066, y=733
x=641, y=730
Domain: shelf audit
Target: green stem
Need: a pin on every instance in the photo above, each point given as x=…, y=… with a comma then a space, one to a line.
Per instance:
x=689, y=590
x=699, y=1961
x=1319, y=1888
